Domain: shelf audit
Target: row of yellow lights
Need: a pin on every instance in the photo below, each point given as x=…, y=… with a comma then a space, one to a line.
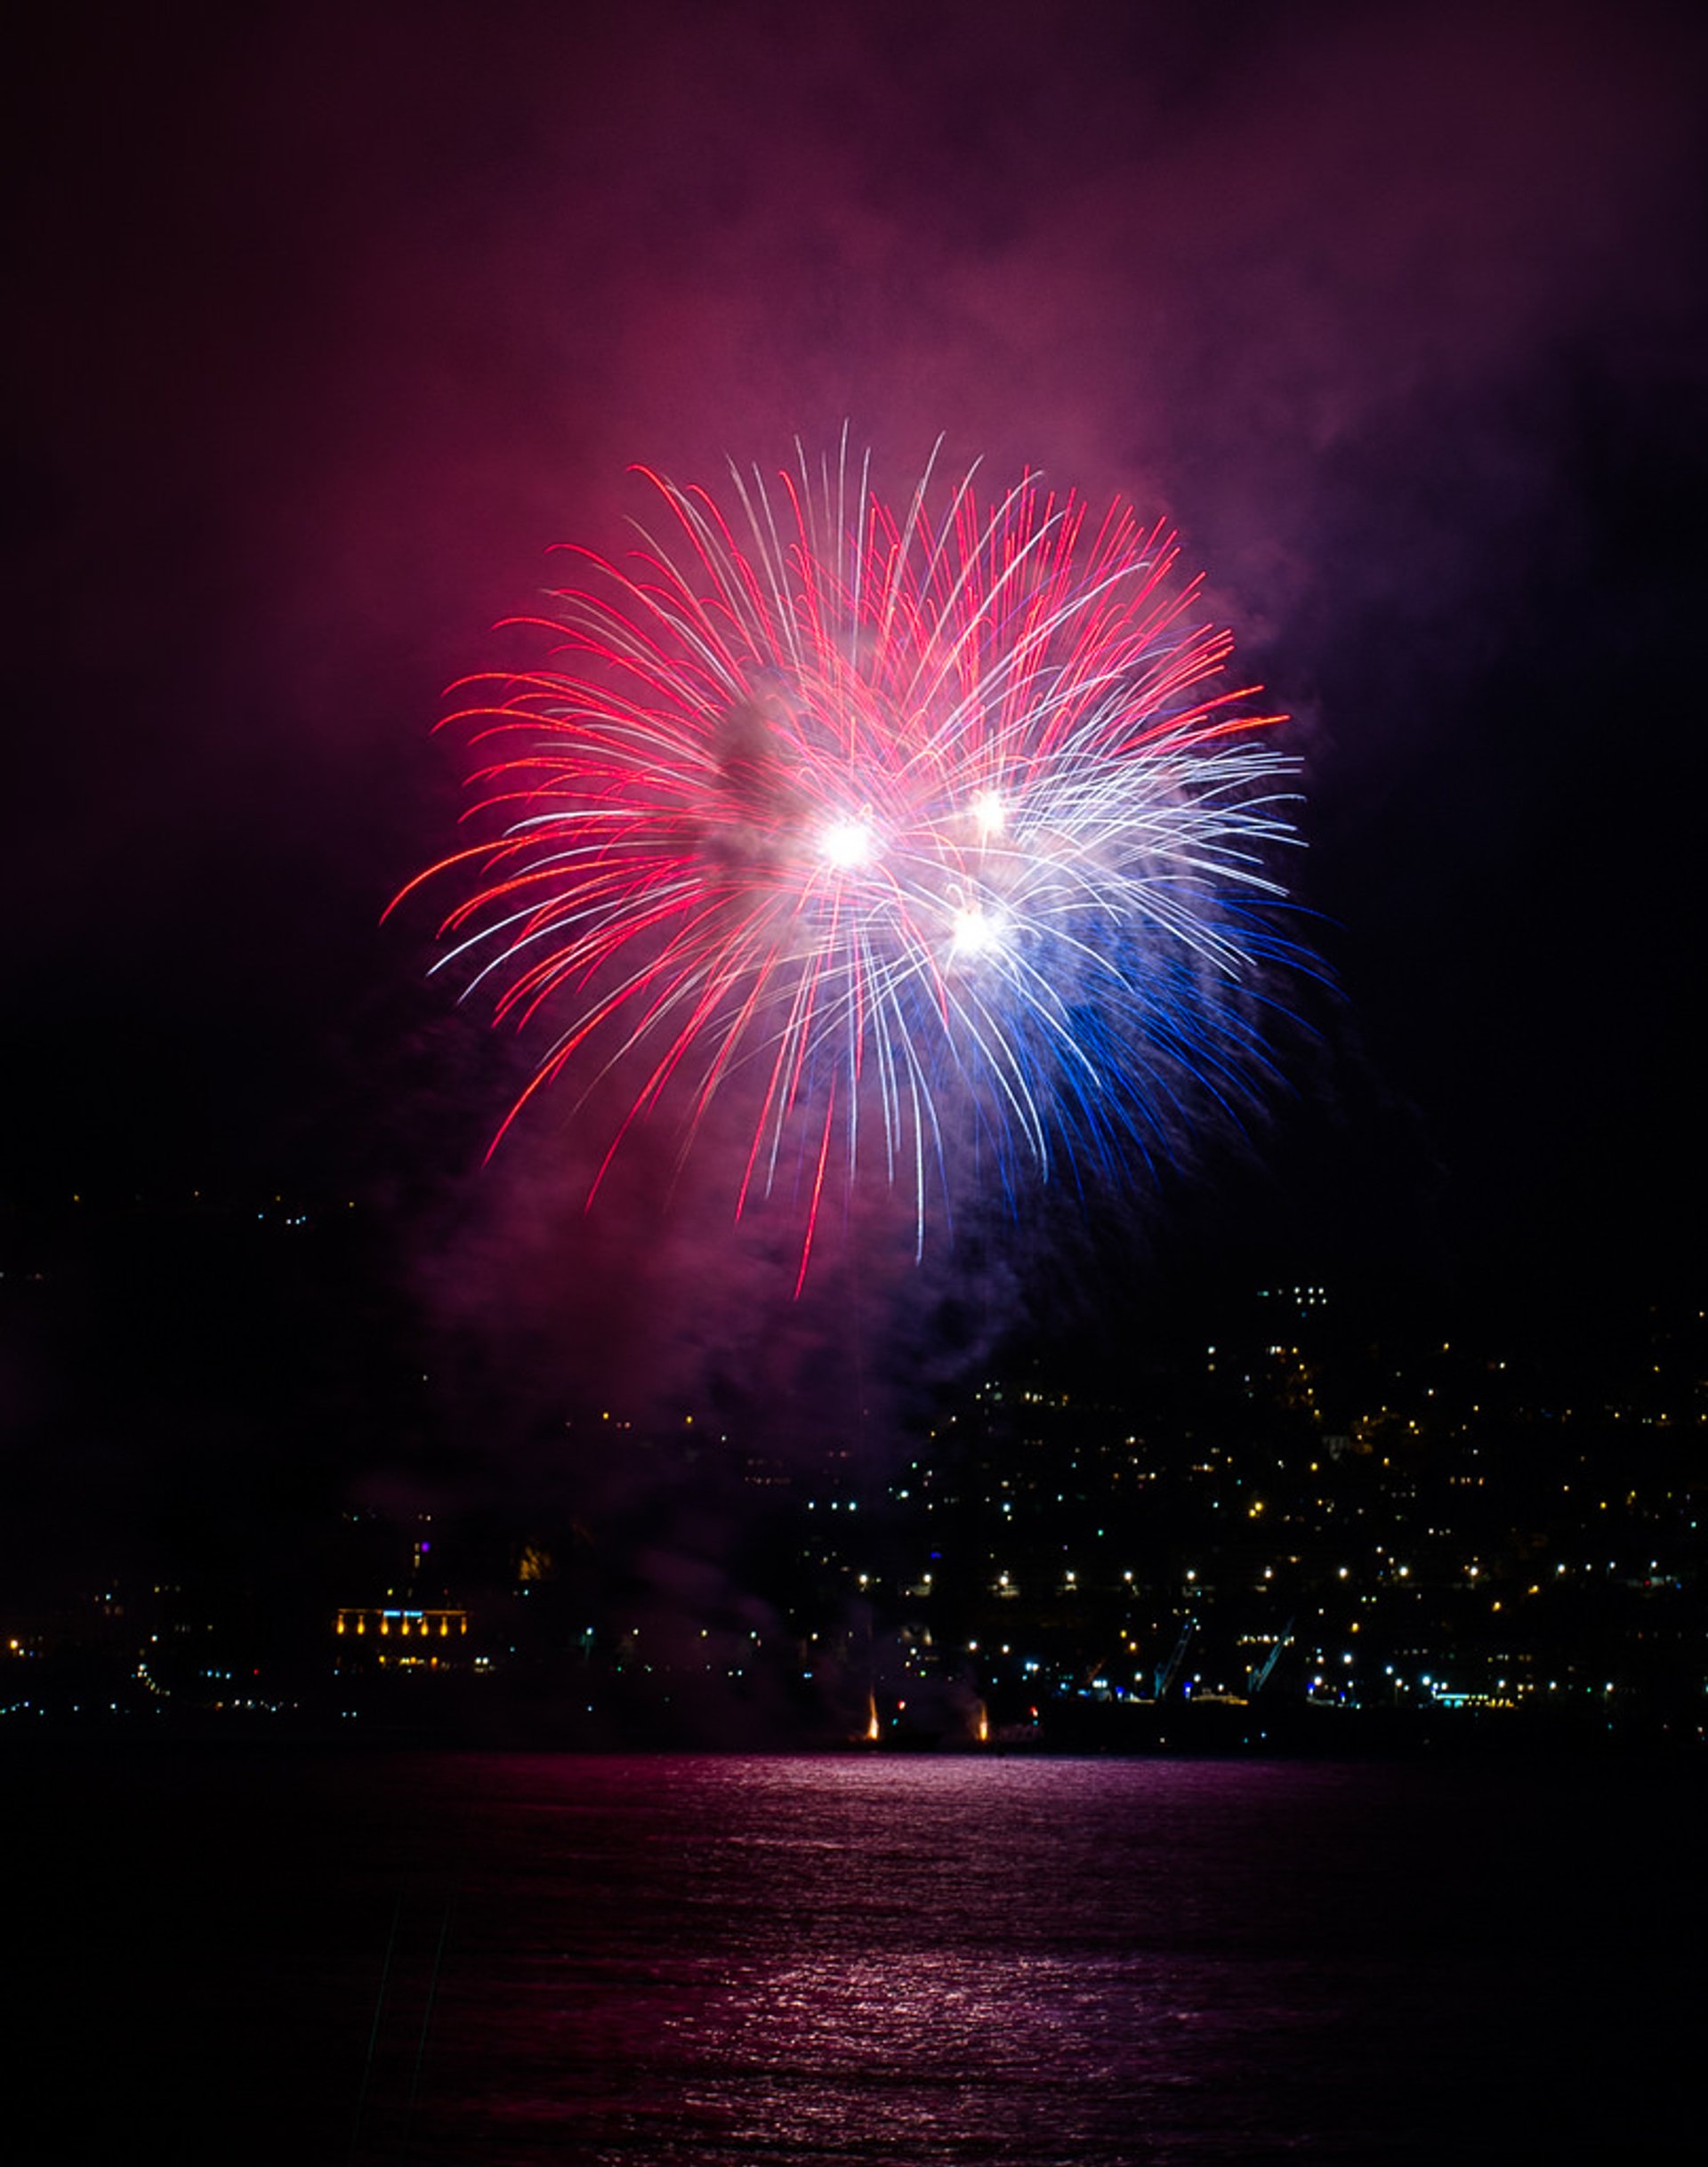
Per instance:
x=424, y=1621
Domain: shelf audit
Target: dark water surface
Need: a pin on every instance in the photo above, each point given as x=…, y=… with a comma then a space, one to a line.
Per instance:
x=260, y=1957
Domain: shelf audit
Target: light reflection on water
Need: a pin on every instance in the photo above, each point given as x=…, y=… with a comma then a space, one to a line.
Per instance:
x=506, y=1960
x=924, y=1960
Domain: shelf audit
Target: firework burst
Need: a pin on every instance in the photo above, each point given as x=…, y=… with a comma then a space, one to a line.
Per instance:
x=930, y=836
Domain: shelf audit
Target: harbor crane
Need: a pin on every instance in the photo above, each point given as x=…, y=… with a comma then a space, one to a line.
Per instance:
x=1171, y=1671
x=1260, y=1677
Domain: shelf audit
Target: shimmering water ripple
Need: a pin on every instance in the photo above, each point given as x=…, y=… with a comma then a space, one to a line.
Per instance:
x=922, y=1961
x=518, y=1960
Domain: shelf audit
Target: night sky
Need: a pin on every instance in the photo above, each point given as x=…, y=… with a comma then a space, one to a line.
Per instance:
x=326, y=323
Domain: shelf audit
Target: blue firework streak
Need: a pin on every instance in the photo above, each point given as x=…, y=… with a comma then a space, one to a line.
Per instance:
x=929, y=836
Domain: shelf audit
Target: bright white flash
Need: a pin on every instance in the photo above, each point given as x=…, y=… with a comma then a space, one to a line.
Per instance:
x=989, y=815
x=975, y=933
x=846, y=843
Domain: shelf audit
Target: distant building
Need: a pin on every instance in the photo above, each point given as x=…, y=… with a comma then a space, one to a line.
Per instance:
x=403, y=1637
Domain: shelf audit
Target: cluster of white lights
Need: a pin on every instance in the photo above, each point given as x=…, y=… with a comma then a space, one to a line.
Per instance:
x=848, y=843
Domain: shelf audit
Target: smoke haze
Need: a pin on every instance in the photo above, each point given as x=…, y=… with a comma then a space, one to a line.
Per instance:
x=337, y=320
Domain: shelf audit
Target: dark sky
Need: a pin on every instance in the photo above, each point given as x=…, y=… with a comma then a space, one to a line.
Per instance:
x=327, y=321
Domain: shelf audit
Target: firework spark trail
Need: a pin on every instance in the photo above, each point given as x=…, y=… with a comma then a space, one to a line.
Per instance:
x=936, y=835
